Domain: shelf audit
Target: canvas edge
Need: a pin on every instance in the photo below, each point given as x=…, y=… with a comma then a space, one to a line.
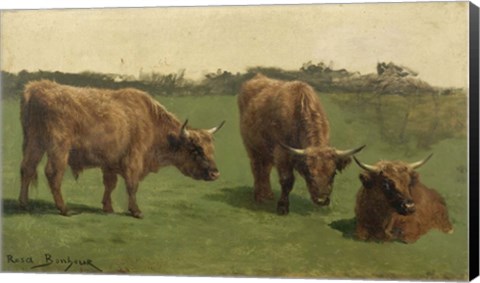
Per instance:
x=473, y=140
x=474, y=176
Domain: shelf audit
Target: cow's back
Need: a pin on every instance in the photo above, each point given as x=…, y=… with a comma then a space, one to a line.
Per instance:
x=252, y=88
x=98, y=125
x=431, y=209
x=273, y=111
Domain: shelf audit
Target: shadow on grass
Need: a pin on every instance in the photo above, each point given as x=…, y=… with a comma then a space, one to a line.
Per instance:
x=242, y=197
x=346, y=226
x=42, y=207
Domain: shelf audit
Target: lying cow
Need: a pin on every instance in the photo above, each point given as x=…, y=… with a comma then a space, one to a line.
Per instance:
x=394, y=205
x=124, y=132
x=283, y=125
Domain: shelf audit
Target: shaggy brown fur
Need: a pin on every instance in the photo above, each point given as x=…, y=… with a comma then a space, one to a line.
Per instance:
x=276, y=115
x=394, y=205
x=123, y=132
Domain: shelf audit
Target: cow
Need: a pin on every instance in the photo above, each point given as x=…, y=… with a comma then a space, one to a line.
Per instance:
x=394, y=205
x=124, y=132
x=283, y=124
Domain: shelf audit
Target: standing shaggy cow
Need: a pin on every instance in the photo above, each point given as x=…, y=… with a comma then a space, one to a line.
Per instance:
x=124, y=132
x=394, y=205
x=283, y=125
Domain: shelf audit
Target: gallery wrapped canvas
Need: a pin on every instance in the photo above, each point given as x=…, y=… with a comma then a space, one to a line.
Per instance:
x=307, y=141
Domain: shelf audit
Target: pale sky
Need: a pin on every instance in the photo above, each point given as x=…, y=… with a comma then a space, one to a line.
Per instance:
x=430, y=38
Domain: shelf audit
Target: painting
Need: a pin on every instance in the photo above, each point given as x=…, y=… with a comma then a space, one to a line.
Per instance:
x=305, y=141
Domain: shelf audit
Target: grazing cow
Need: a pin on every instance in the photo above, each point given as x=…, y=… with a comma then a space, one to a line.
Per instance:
x=394, y=205
x=124, y=132
x=283, y=125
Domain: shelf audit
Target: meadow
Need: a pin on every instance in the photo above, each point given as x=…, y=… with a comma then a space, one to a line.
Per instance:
x=215, y=228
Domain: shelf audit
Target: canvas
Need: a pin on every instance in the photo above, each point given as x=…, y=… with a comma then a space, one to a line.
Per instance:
x=391, y=82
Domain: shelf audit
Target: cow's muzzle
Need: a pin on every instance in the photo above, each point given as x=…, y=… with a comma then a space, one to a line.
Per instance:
x=407, y=207
x=211, y=175
x=323, y=201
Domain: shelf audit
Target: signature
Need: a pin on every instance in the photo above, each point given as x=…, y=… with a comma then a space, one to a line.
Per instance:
x=48, y=260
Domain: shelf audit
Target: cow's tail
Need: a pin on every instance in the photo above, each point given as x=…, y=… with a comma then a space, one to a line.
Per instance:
x=27, y=120
x=25, y=115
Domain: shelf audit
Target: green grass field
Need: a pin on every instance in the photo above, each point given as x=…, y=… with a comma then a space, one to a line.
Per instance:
x=215, y=228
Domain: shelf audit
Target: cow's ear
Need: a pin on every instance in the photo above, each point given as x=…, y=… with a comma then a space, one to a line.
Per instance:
x=174, y=141
x=366, y=180
x=342, y=163
x=413, y=178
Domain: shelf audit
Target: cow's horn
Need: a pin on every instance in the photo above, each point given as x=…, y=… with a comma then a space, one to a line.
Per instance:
x=293, y=150
x=183, y=130
x=215, y=129
x=367, y=167
x=349, y=152
x=417, y=164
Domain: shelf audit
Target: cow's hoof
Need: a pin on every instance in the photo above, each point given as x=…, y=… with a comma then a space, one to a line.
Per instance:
x=108, y=210
x=263, y=197
x=137, y=214
x=24, y=207
x=408, y=241
x=282, y=209
x=65, y=213
x=70, y=212
x=258, y=199
x=268, y=196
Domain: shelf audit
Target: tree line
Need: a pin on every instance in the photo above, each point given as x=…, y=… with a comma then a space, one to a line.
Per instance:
x=389, y=79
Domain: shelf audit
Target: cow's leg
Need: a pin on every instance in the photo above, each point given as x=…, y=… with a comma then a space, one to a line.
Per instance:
x=32, y=155
x=361, y=232
x=391, y=232
x=132, y=187
x=110, y=182
x=442, y=221
x=412, y=230
x=54, y=170
x=131, y=171
x=132, y=179
x=261, y=169
x=287, y=180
